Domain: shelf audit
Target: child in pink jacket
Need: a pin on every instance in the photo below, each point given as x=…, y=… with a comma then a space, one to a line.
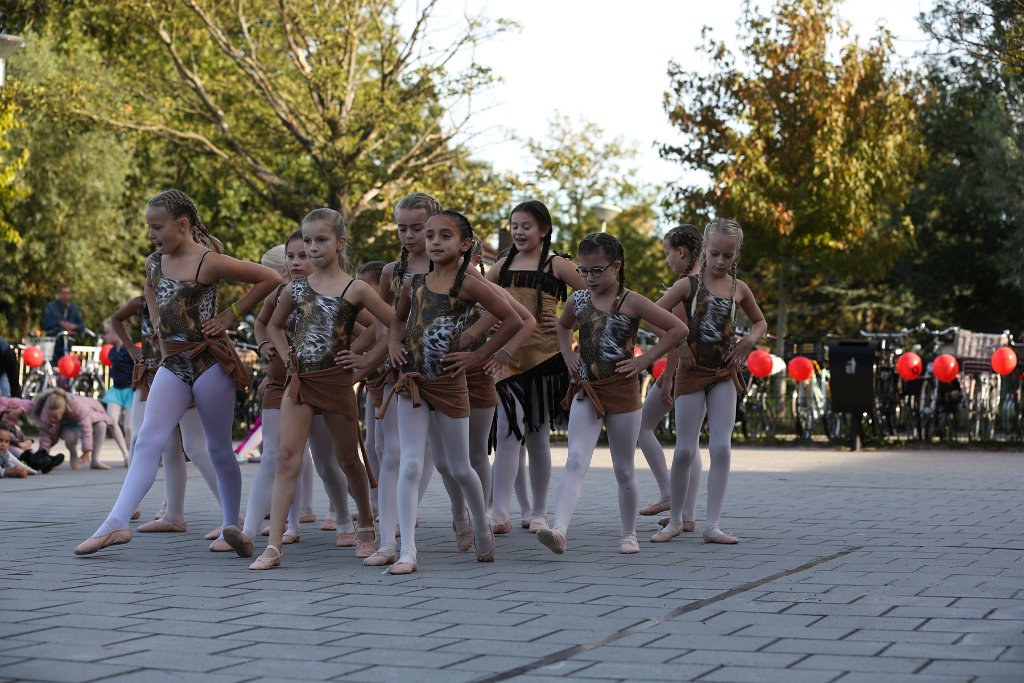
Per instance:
x=60, y=415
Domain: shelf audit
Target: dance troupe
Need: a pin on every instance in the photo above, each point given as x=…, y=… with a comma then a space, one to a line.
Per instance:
x=455, y=361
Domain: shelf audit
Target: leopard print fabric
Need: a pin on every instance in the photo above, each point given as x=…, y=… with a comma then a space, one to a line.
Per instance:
x=605, y=338
x=184, y=306
x=323, y=326
x=433, y=328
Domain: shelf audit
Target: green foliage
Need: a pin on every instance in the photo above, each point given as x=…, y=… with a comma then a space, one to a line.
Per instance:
x=810, y=142
x=575, y=168
x=9, y=167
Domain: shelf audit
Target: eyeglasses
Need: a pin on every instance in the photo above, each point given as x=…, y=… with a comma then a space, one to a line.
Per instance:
x=596, y=271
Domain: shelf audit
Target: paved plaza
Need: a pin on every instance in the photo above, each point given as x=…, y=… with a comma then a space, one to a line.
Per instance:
x=878, y=566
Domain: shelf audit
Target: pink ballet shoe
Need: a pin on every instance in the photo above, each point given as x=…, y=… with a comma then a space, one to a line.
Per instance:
x=238, y=540
x=688, y=525
x=160, y=526
x=537, y=524
x=721, y=537
x=668, y=533
x=115, y=537
x=136, y=515
x=365, y=546
x=221, y=546
x=489, y=555
x=346, y=539
x=329, y=525
x=213, y=534
x=656, y=508
x=553, y=540
x=385, y=555
x=307, y=519
x=501, y=527
x=463, y=539
x=270, y=558
x=628, y=545
x=405, y=565
x=290, y=536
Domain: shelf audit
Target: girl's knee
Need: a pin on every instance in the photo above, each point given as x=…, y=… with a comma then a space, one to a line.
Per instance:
x=683, y=457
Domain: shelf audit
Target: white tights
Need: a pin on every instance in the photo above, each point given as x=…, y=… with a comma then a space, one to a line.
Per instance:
x=189, y=440
x=584, y=431
x=214, y=396
x=416, y=424
x=372, y=444
x=480, y=420
x=653, y=411
x=262, y=488
x=720, y=405
x=506, y=465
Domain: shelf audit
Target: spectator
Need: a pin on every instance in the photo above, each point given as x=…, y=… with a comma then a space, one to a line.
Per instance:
x=60, y=415
x=62, y=316
x=10, y=466
x=12, y=411
x=9, y=385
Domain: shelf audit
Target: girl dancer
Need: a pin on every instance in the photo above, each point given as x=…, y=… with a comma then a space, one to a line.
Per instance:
x=536, y=378
x=604, y=380
x=430, y=314
x=411, y=214
x=682, y=250
x=187, y=436
x=325, y=305
x=199, y=364
x=708, y=379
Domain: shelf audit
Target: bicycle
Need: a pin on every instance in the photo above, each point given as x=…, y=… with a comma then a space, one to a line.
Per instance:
x=982, y=386
x=807, y=399
x=92, y=379
x=42, y=378
x=939, y=402
x=895, y=402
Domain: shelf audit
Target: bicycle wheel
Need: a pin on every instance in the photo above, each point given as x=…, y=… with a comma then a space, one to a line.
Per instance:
x=35, y=384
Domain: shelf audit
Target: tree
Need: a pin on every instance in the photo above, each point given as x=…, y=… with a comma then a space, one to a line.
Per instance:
x=9, y=189
x=574, y=167
x=812, y=153
x=967, y=200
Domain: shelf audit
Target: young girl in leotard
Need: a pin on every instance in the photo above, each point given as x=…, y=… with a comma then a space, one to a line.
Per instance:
x=432, y=388
x=604, y=380
x=535, y=379
x=708, y=379
x=325, y=305
x=199, y=363
x=682, y=252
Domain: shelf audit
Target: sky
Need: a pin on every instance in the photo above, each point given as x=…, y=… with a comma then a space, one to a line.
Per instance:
x=605, y=61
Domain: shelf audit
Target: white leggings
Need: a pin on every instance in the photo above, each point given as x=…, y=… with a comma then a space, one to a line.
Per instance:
x=506, y=465
x=720, y=405
x=480, y=420
x=187, y=439
x=416, y=424
x=372, y=444
x=653, y=411
x=121, y=438
x=214, y=395
x=321, y=446
x=584, y=431
x=258, y=504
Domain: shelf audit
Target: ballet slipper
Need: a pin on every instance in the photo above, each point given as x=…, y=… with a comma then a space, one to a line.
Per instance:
x=670, y=531
x=239, y=541
x=268, y=560
x=221, y=546
x=385, y=555
x=660, y=506
x=721, y=537
x=464, y=538
x=212, y=535
x=115, y=537
x=365, y=546
x=537, y=523
x=162, y=526
x=405, y=565
x=628, y=545
x=307, y=518
x=290, y=536
x=329, y=525
x=688, y=524
x=347, y=538
x=553, y=540
x=503, y=527
x=136, y=515
x=489, y=555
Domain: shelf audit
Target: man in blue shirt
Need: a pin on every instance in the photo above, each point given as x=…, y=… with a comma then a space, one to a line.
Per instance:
x=62, y=316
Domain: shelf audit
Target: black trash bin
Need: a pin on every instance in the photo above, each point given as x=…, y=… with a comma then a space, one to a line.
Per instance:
x=852, y=381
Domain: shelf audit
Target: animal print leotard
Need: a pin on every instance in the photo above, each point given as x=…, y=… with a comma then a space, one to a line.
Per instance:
x=605, y=337
x=433, y=328
x=323, y=326
x=184, y=306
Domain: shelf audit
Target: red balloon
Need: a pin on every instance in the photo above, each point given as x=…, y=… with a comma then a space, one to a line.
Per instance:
x=759, y=363
x=69, y=366
x=1004, y=360
x=801, y=368
x=909, y=366
x=33, y=356
x=658, y=367
x=945, y=368
x=105, y=354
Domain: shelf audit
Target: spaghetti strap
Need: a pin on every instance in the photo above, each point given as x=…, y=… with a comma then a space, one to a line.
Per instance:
x=345, y=291
x=201, y=265
x=622, y=300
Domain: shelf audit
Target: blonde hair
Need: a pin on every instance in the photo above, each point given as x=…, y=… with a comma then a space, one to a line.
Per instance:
x=337, y=224
x=726, y=227
x=274, y=257
x=181, y=205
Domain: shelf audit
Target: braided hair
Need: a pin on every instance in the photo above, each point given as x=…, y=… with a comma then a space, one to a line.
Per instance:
x=728, y=228
x=371, y=269
x=336, y=223
x=612, y=248
x=539, y=213
x=297, y=235
x=466, y=233
x=478, y=250
x=688, y=237
x=411, y=202
x=180, y=205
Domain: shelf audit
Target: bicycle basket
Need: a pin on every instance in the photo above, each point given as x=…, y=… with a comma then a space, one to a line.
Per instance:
x=45, y=345
x=809, y=348
x=974, y=349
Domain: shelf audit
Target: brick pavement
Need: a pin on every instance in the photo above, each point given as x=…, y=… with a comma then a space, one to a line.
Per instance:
x=878, y=566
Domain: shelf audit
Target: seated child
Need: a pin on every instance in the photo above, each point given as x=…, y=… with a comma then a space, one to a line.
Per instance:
x=9, y=465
